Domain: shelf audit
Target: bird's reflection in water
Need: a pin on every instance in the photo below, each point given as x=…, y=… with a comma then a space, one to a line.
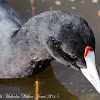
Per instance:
x=75, y=82
x=49, y=87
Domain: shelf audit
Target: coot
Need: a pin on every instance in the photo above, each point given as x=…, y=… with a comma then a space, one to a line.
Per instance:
x=27, y=49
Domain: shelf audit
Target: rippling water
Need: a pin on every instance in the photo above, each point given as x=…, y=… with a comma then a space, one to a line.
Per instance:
x=57, y=82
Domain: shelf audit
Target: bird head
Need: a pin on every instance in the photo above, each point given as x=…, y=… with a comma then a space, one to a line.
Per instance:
x=74, y=47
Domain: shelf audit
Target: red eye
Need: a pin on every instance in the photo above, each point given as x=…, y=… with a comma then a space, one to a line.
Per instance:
x=74, y=57
x=86, y=50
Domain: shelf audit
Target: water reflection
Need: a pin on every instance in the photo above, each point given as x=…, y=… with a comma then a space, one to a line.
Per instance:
x=94, y=1
x=58, y=3
x=48, y=85
x=75, y=82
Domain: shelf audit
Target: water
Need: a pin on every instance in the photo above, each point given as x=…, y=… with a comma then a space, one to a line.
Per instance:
x=57, y=81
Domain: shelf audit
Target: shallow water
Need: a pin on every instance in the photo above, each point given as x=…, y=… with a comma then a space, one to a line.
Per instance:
x=58, y=82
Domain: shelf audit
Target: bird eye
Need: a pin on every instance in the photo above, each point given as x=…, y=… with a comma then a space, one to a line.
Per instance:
x=74, y=57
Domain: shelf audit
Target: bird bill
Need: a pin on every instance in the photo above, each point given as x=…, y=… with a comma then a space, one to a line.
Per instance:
x=91, y=72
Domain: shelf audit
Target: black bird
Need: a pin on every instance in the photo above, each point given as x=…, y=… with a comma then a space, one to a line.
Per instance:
x=29, y=48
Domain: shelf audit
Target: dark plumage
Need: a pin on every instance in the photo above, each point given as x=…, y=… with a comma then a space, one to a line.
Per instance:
x=51, y=35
